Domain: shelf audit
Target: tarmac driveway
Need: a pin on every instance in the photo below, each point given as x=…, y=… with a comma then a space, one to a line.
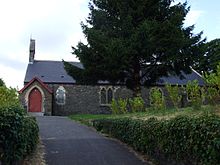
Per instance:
x=69, y=143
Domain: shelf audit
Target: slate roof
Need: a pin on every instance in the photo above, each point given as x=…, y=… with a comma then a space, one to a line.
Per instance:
x=174, y=80
x=54, y=72
x=49, y=72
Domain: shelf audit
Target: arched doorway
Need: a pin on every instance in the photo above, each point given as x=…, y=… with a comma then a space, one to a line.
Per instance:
x=35, y=101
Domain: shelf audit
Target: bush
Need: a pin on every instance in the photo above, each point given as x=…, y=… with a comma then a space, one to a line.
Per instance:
x=122, y=104
x=212, y=95
x=156, y=99
x=137, y=104
x=213, y=79
x=8, y=97
x=181, y=140
x=195, y=94
x=119, y=106
x=18, y=132
x=174, y=94
x=213, y=82
x=114, y=107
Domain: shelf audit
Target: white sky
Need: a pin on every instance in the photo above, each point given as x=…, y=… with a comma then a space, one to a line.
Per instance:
x=55, y=25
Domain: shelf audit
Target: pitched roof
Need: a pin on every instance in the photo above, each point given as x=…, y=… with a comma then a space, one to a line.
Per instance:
x=49, y=72
x=54, y=72
x=174, y=80
x=39, y=81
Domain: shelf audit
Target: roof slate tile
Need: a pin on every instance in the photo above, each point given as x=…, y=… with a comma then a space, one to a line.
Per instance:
x=54, y=72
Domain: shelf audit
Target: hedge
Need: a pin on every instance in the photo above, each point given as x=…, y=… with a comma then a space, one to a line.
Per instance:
x=18, y=134
x=181, y=140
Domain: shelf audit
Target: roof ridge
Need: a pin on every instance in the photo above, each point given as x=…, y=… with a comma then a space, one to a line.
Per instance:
x=32, y=81
x=197, y=72
x=55, y=61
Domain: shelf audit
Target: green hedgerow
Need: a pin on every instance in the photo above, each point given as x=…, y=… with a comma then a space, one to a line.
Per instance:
x=184, y=140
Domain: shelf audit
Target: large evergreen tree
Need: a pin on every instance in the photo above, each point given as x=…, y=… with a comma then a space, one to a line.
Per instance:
x=211, y=57
x=135, y=42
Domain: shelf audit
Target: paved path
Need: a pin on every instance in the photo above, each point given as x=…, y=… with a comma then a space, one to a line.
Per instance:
x=69, y=143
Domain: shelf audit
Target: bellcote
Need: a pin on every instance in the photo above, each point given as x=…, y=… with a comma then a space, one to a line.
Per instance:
x=31, y=51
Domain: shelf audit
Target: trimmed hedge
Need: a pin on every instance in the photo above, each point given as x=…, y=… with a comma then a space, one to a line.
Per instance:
x=181, y=140
x=18, y=134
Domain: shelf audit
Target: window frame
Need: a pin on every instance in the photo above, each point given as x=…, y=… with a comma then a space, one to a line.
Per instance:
x=58, y=102
x=107, y=103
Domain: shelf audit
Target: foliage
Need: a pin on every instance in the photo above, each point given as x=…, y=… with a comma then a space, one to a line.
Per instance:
x=122, y=104
x=19, y=134
x=213, y=79
x=212, y=95
x=137, y=104
x=208, y=63
x=183, y=139
x=114, y=107
x=174, y=94
x=126, y=37
x=213, y=88
x=157, y=99
x=1, y=82
x=119, y=106
x=8, y=96
x=194, y=94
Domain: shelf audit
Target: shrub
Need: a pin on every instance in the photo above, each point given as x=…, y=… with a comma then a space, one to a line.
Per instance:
x=137, y=104
x=122, y=104
x=194, y=94
x=212, y=95
x=114, y=107
x=174, y=94
x=156, y=99
x=213, y=79
x=183, y=140
x=119, y=106
x=8, y=97
x=19, y=134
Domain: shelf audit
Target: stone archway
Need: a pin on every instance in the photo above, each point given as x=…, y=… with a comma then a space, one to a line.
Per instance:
x=35, y=100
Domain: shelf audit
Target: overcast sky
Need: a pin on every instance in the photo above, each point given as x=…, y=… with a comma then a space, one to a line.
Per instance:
x=55, y=25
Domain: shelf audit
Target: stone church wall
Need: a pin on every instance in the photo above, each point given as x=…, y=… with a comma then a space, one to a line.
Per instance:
x=82, y=99
x=79, y=99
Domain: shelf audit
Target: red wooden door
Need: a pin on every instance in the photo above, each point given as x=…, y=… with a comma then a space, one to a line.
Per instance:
x=35, y=101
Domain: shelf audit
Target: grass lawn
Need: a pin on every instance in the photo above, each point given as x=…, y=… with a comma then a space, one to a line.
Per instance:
x=160, y=114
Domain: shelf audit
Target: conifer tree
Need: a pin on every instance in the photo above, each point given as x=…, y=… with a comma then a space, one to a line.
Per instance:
x=211, y=56
x=135, y=42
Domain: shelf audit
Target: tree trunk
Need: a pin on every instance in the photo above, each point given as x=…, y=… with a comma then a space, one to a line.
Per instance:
x=136, y=79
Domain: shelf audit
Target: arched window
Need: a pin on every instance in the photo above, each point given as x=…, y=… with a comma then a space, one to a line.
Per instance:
x=109, y=96
x=61, y=95
x=106, y=95
x=103, y=96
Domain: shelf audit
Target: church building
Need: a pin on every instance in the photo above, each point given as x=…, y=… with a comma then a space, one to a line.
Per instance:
x=49, y=90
